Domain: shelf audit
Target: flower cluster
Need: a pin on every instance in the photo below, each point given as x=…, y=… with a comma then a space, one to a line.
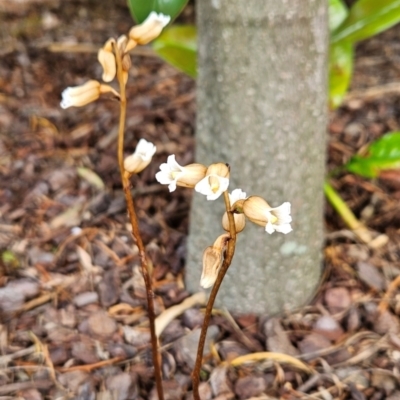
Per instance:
x=138, y=35
x=212, y=181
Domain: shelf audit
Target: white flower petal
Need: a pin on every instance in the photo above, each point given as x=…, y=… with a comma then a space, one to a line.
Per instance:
x=203, y=186
x=280, y=217
x=236, y=195
x=269, y=228
x=145, y=149
x=169, y=173
x=283, y=228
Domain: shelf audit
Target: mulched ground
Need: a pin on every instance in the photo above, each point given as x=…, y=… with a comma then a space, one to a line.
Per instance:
x=72, y=301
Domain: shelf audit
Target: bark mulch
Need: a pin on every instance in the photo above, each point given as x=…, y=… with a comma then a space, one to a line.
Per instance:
x=72, y=301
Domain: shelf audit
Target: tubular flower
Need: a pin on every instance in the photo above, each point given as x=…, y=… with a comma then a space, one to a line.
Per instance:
x=240, y=219
x=107, y=60
x=275, y=219
x=212, y=261
x=141, y=158
x=81, y=95
x=215, y=182
x=173, y=174
x=148, y=30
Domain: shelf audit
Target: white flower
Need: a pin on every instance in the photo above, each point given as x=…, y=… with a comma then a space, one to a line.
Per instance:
x=84, y=94
x=276, y=219
x=173, y=174
x=236, y=195
x=80, y=95
x=149, y=29
x=240, y=219
x=141, y=158
x=279, y=219
x=215, y=182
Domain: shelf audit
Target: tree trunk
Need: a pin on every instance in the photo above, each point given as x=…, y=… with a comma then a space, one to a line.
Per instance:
x=262, y=108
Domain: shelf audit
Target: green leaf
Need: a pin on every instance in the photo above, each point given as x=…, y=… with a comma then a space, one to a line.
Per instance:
x=178, y=46
x=140, y=9
x=383, y=154
x=338, y=12
x=368, y=18
x=340, y=71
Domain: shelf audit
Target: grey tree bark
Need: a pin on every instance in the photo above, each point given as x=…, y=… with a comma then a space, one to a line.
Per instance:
x=262, y=108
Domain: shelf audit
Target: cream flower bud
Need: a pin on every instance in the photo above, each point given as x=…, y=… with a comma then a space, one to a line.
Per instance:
x=107, y=60
x=212, y=261
x=240, y=219
x=215, y=182
x=81, y=95
x=275, y=219
x=149, y=29
x=173, y=174
x=141, y=158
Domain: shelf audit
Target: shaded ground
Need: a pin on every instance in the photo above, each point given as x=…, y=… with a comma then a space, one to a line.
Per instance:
x=72, y=315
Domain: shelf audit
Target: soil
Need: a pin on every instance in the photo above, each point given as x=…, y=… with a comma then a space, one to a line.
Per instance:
x=72, y=300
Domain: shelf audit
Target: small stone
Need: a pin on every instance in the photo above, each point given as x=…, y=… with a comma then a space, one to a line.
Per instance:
x=30, y=394
x=192, y=318
x=328, y=327
x=219, y=381
x=249, y=386
x=109, y=288
x=337, y=299
x=277, y=339
x=353, y=320
x=205, y=392
x=73, y=379
x=10, y=300
x=85, y=298
x=122, y=386
x=313, y=342
x=385, y=322
x=101, y=325
x=186, y=346
x=38, y=256
x=172, y=391
x=136, y=336
x=27, y=287
x=370, y=275
x=83, y=350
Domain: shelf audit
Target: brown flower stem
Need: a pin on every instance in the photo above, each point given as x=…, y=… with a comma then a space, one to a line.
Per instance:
x=135, y=226
x=224, y=268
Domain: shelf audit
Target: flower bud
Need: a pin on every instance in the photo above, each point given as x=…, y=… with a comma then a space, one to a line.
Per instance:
x=173, y=174
x=107, y=60
x=149, y=29
x=235, y=198
x=215, y=182
x=277, y=219
x=141, y=158
x=212, y=261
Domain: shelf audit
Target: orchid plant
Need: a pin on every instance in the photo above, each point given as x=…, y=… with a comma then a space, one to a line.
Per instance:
x=211, y=181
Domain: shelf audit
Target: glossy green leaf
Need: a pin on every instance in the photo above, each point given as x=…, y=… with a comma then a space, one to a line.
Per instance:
x=383, y=154
x=178, y=46
x=338, y=12
x=340, y=71
x=140, y=9
x=368, y=18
